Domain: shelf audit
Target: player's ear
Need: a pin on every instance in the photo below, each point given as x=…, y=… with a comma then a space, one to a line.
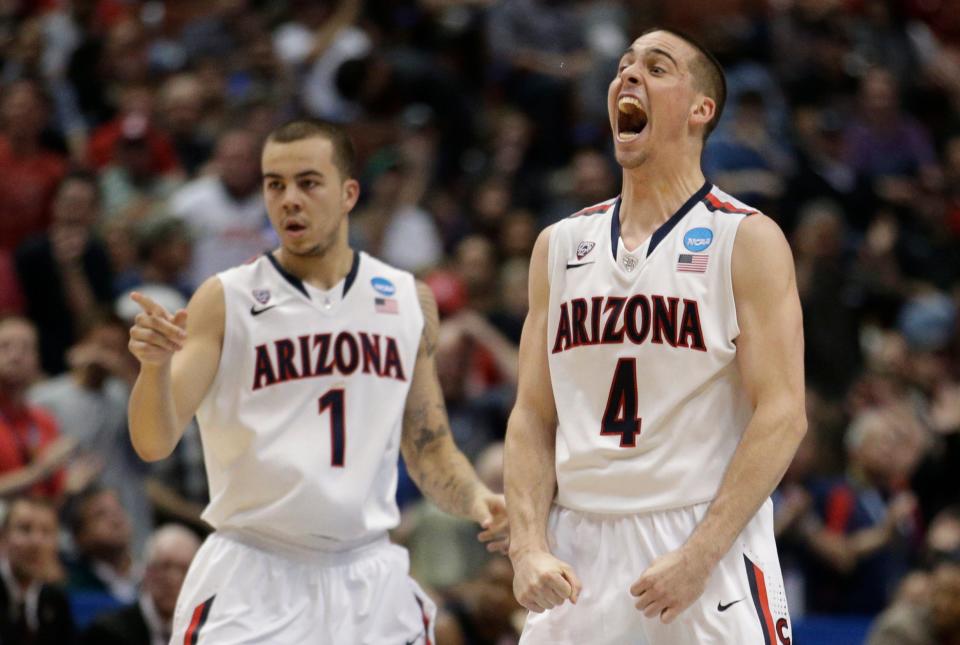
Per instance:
x=350, y=193
x=703, y=110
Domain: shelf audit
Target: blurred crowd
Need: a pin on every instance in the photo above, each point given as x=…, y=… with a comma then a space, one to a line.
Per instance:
x=129, y=159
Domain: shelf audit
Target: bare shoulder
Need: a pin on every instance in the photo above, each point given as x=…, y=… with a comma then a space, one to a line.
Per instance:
x=206, y=311
x=541, y=247
x=761, y=255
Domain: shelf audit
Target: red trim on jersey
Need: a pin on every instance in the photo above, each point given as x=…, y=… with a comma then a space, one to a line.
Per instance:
x=726, y=207
x=592, y=210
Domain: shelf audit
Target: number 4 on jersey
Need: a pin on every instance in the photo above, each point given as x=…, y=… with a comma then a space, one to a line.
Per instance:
x=620, y=417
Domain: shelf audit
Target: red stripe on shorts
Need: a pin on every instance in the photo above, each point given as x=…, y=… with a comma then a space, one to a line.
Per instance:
x=197, y=620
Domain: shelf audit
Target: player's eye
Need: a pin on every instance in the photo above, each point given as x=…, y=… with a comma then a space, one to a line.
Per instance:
x=273, y=184
x=656, y=69
x=307, y=184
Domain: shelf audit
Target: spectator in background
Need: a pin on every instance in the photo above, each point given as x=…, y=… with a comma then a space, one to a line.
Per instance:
x=164, y=246
x=888, y=146
x=129, y=183
x=135, y=116
x=475, y=261
x=831, y=352
x=90, y=405
x=29, y=173
x=103, y=562
x=168, y=555
x=32, y=610
x=591, y=181
x=181, y=108
x=541, y=53
x=822, y=171
x=31, y=448
x=391, y=223
x=747, y=158
x=225, y=210
x=870, y=530
x=929, y=612
x=65, y=273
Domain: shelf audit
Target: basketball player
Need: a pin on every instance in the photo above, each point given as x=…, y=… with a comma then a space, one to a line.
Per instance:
x=661, y=389
x=309, y=368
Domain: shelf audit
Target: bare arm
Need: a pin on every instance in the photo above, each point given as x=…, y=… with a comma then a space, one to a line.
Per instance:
x=540, y=581
x=45, y=465
x=179, y=356
x=770, y=358
x=435, y=463
x=530, y=476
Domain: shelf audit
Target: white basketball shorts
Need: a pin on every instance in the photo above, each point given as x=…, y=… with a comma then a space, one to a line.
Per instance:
x=743, y=603
x=238, y=591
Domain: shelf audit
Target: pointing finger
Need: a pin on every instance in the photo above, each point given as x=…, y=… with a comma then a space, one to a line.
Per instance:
x=149, y=305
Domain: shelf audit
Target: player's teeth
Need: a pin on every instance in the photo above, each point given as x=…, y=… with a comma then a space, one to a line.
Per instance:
x=628, y=101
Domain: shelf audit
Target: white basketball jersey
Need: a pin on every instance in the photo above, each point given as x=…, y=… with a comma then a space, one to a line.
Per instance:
x=301, y=427
x=641, y=349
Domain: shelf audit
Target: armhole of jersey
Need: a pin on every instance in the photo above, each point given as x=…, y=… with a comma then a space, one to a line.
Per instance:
x=734, y=321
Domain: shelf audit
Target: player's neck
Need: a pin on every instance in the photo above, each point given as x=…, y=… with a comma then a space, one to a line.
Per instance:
x=322, y=272
x=650, y=197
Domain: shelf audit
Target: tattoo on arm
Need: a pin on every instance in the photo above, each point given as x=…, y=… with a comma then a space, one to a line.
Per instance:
x=422, y=435
x=431, y=320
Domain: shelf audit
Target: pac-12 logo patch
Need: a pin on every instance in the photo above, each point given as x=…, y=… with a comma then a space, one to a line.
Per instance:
x=698, y=239
x=383, y=286
x=583, y=249
x=262, y=296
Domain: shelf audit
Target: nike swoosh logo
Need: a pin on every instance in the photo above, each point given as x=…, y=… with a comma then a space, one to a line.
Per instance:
x=582, y=264
x=256, y=312
x=721, y=607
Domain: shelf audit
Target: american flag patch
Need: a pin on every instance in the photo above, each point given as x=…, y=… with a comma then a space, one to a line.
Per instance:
x=385, y=305
x=688, y=263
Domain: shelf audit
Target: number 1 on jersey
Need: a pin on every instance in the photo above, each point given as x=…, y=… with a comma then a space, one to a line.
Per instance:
x=338, y=440
x=620, y=416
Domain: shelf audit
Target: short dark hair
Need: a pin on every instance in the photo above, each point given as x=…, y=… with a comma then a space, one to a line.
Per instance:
x=76, y=505
x=30, y=500
x=343, y=152
x=707, y=71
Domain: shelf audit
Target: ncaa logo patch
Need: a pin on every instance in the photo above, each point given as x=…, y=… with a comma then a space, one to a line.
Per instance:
x=262, y=296
x=383, y=286
x=698, y=239
x=583, y=249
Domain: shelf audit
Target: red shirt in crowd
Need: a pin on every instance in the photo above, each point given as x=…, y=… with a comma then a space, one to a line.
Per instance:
x=24, y=434
x=27, y=185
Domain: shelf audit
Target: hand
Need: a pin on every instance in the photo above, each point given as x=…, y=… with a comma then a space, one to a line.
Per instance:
x=541, y=581
x=156, y=334
x=491, y=513
x=671, y=584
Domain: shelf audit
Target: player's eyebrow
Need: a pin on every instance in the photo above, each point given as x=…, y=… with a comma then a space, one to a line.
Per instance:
x=662, y=52
x=299, y=175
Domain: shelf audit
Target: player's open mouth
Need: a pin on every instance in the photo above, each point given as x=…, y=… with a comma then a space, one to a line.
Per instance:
x=294, y=228
x=631, y=118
